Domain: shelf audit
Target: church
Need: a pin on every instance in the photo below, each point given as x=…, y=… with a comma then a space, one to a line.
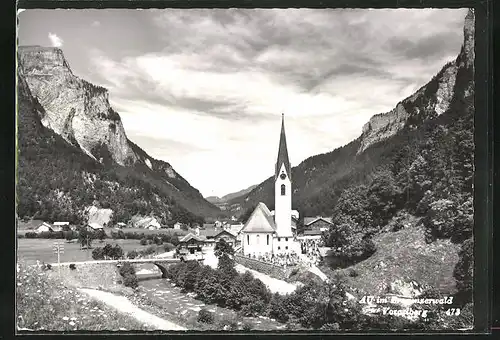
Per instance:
x=274, y=232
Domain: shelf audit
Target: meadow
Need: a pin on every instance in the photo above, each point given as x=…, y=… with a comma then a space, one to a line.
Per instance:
x=31, y=250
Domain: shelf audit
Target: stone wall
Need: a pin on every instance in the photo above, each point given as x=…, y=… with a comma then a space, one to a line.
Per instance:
x=263, y=267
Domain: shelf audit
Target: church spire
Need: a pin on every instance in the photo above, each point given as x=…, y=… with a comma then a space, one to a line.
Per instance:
x=283, y=152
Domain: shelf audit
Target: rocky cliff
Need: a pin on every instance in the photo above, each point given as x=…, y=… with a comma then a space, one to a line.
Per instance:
x=428, y=102
x=75, y=109
x=78, y=117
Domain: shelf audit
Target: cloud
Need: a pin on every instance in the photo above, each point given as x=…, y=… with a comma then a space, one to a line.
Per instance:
x=55, y=40
x=215, y=83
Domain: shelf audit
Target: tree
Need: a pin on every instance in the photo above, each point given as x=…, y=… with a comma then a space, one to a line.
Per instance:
x=85, y=238
x=222, y=247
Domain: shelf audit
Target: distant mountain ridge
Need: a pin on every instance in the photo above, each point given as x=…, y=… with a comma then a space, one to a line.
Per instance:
x=228, y=197
x=79, y=112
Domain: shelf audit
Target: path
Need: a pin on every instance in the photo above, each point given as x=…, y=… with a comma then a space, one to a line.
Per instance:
x=274, y=285
x=313, y=268
x=122, y=304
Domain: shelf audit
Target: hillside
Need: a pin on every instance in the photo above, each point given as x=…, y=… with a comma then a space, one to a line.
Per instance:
x=387, y=139
x=73, y=152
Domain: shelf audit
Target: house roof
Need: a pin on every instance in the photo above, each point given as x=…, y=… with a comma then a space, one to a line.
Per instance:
x=226, y=232
x=283, y=153
x=261, y=220
x=310, y=220
x=189, y=237
x=61, y=223
x=94, y=225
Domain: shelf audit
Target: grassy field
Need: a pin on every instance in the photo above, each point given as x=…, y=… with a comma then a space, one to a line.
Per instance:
x=30, y=250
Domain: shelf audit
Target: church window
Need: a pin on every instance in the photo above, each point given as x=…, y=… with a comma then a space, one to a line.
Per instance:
x=286, y=247
x=286, y=239
x=279, y=248
x=248, y=239
x=283, y=190
x=258, y=239
x=267, y=239
x=279, y=239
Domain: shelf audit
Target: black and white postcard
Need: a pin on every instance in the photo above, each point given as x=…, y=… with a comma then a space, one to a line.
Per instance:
x=245, y=170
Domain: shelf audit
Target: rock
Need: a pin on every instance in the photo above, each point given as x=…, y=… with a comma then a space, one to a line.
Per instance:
x=407, y=289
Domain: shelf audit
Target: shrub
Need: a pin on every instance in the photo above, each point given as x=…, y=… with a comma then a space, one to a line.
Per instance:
x=130, y=281
x=353, y=273
x=205, y=316
x=127, y=269
x=247, y=326
x=20, y=236
x=132, y=254
x=168, y=247
x=143, y=241
x=72, y=266
x=228, y=323
x=30, y=234
x=98, y=253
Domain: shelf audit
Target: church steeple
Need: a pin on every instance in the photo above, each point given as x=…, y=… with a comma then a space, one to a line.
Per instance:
x=283, y=153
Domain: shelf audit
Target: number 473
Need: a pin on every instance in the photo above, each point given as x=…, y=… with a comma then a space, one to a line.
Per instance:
x=453, y=311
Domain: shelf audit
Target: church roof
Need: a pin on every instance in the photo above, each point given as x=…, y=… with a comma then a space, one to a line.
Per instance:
x=261, y=221
x=283, y=153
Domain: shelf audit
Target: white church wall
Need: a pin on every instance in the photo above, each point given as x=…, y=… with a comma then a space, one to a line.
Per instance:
x=283, y=245
x=257, y=243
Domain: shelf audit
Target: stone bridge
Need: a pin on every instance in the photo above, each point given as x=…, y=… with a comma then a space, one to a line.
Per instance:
x=160, y=263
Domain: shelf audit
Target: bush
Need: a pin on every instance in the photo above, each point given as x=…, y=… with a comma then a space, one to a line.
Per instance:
x=205, y=316
x=72, y=266
x=130, y=281
x=98, y=253
x=132, y=254
x=143, y=241
x=168, y=247
x=30, y=234
x=247, y=326
x=353, y=273
x=20, y=236
x=127, y=269
x=228, y=323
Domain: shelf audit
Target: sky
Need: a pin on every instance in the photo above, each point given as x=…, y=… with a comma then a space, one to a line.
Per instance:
x=204, y=89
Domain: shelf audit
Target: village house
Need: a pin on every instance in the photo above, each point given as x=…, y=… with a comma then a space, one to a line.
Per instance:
x=95, y=226
x=317, y=223
x=45, y=227
x=178, y=225
x=227, y=236
x=190, y=244
x=61, y=226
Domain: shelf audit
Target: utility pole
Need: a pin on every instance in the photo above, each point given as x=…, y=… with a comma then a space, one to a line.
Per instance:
x=58, y=249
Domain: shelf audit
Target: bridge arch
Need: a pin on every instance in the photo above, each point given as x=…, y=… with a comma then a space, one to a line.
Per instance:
x=162, y=268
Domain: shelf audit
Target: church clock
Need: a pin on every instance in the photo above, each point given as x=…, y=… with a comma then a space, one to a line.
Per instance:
x=282, y=176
